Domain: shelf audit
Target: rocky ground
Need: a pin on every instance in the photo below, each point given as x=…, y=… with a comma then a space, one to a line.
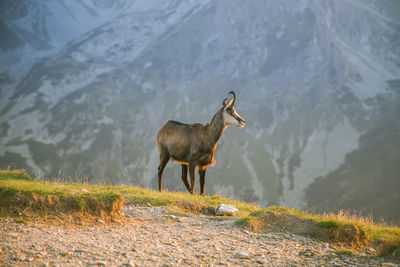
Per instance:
x=150, y=236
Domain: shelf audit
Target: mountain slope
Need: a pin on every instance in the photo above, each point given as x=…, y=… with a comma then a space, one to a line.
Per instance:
x=310, y=79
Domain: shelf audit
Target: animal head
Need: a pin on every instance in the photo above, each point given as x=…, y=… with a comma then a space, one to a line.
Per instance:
x=229, y=113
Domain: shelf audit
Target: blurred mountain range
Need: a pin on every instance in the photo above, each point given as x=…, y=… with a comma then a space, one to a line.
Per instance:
x=85, y=86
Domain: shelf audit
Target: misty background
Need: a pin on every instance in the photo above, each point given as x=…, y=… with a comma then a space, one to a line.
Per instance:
x=85, y=86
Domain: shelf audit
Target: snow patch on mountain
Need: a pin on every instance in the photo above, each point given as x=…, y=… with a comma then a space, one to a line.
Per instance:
x=25, y=152
x=150, y=168
x=366, y=76
x=53, y=91
x=325, y=151
x=255, y=181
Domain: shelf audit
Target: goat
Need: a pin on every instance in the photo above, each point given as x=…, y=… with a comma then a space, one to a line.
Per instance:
x=193, y=145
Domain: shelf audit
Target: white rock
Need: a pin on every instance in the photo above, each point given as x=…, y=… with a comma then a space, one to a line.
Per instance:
x=224, y=209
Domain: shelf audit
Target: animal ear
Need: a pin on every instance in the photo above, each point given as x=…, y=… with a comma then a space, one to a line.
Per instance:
x=224, y=102
x=230, y=102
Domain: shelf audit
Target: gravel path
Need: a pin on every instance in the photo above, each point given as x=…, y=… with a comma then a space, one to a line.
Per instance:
x=150, y=237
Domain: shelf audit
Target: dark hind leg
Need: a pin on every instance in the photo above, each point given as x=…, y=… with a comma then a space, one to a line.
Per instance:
x=192, y=173
x=185, y=177
x=202, y=174
x=163, y=161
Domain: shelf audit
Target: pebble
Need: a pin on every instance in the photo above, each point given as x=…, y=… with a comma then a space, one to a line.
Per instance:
x=370, y=251
x=242, y=255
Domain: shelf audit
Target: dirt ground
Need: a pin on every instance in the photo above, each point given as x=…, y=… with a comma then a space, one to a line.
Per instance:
x=151, y=236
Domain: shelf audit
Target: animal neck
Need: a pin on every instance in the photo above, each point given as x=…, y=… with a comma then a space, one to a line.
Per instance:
x=216, y=128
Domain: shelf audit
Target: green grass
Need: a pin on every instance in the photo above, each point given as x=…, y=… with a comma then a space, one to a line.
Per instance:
x=14, y=175
x=143, y=196
x=85, y=197
x=136, y=195
x=11, y=186
x=20, y=220
x=244, y=221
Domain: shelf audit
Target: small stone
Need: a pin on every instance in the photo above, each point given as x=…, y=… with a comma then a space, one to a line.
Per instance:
x=388, y=264
x=307, y=253
x=148, y=205
x=334, y=263
x=65, y=253
x=370, y=251
x=224, y=209
x=242, y=255
x=260, y=261
x=101, y=263
x=15, y=235
x=247, y=232
x=100, y=221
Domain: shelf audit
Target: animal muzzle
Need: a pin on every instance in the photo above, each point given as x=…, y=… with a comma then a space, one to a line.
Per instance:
x=240, y=121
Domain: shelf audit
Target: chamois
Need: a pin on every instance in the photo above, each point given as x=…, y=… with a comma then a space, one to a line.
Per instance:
x=193, y=145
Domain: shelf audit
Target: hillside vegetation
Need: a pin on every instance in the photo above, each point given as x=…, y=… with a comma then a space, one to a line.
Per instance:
x=23, y=198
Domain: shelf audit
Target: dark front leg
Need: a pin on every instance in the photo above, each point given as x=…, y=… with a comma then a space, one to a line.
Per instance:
x=202, y=174
x=192, y=173
x=185, y=177
x=163, y=162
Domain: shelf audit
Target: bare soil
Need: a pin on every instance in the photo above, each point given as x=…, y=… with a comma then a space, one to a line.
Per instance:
x=155, y=236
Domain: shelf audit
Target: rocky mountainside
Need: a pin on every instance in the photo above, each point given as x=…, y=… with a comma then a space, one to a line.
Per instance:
x=318, y=83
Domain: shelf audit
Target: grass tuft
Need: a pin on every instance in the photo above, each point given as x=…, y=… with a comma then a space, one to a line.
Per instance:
x=20, y=220
x=14, y=175
x=244, y=222
x=328, y=224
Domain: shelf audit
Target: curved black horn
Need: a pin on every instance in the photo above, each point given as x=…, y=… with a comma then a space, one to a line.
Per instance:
x=234, y=97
